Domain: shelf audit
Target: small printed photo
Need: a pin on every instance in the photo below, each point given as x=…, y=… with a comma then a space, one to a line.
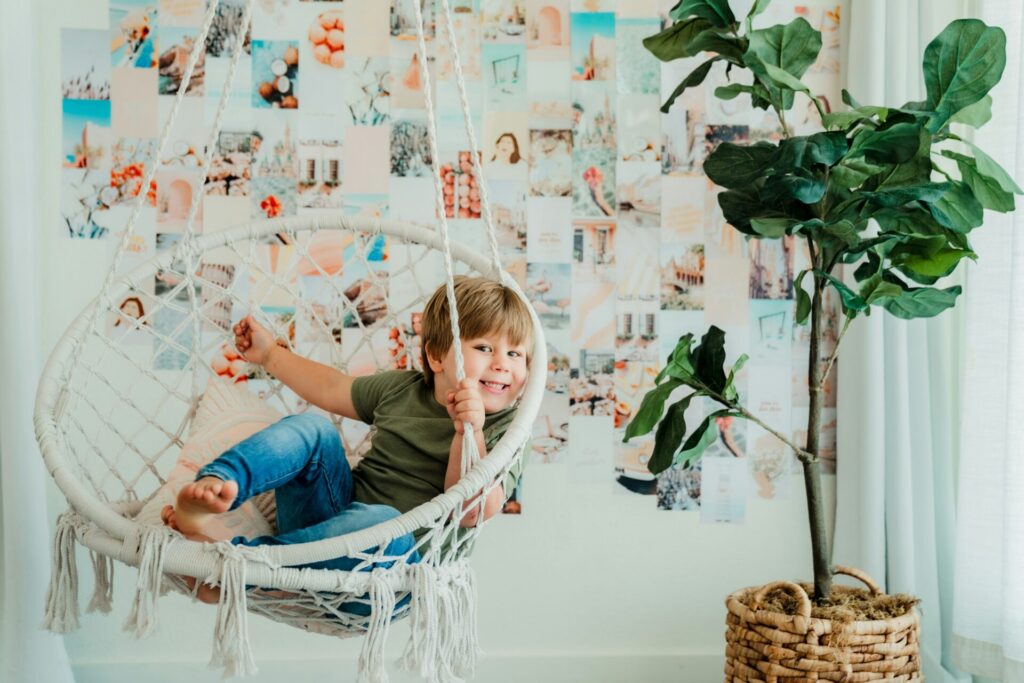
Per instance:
x=272, y=197
x=551, y=163
x=367, y=28
x=86, y=133
x=405, y=343
x=406, y=84
x=82, y=213
x=593, y=46
x=131, y=158
x=549, y=286
x=714, y=135
x=413, y=200
x=181, y=12
x=366, y=163
x=275, y=74
x=771, y=335
x=325, y=38
x=277, y=20
x=225, y=30
x=592, y=384
x=460, y=186
x=633, y=379
x=504, y=75
x=369, y=205
x=679, y=487
x=593, y=188
x=133, y=25
x=593, y=112
x=85, y=64
x=320, y=162
x=451, y=125
x=593, y=247
x=508, y=210
x=682, y=207
x=771, y=268
x=141, y=244
x=403, y=20
x=630, y=467
x=231, y=164
x=636, y=330
x=682, y=277
x=547, y=30
x=550, y=439
x=128, y=323
x=682, y=141
x=188, y=133
x=134, y=105
x=728, y=278
x=639, y=193
x=638, y=70
x=592, y=324
x=176, y=45
x=560, y=356
x=216, y=304
x=505, y=149
x=410, y=149
x=367, y=90
x=503, y=20
x=466, y=26
x=176, y=187
x=639, y=128
x=364, y=283
x=237, y=111
x=549, y=229
x=549, y=101
x=637, y=267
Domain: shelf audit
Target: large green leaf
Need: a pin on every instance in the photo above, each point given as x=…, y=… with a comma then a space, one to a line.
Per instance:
x=702, y=437
x=988, y=167
x=651, y=409
x=670, y=435
x=976, y=115
x=896, y=144
x=675, y=42
x=891, y=196
x=678, y=364
x=958, y=209
x=735, y=166
x=922, y=302
x=791, y=48
x=852, y=172
x=740, y=205
x=851, y=300
x=803, y=299
x=696, y=77
x=772, y=228
x=779, y=188
x=758, y=7
x=804, y=151
x=937, y=265
x=729, y=47
x=730, y=392
x=709, y=360
x=717, y=12
x=960, y=66
x=985, y=189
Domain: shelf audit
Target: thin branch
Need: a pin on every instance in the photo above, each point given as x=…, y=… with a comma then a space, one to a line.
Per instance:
x=801, y=454
x=835, y=353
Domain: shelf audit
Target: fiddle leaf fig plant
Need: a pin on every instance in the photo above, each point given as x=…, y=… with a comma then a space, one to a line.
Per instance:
x=891, y=192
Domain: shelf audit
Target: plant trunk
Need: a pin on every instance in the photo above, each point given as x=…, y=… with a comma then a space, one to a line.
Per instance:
x=812, y=470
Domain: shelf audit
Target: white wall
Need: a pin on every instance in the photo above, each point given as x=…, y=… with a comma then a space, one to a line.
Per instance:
x=585, y=586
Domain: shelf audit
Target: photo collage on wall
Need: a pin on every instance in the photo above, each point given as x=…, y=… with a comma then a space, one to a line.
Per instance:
x=602, y=212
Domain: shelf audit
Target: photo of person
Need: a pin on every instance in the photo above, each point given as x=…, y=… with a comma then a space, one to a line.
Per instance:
x=129, y=311
x=594, y=183
x=506, y=153
x=550, y=163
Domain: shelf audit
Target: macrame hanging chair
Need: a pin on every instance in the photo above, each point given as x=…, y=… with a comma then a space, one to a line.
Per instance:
x=110, y=426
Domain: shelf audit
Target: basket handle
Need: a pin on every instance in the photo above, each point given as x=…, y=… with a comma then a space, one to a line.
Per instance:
x=796, y=590
x=860, y=576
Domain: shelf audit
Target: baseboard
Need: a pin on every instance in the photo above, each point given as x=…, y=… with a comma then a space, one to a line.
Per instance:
x=492, y=669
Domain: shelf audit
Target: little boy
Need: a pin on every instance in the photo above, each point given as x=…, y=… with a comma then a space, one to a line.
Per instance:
x=419, y=417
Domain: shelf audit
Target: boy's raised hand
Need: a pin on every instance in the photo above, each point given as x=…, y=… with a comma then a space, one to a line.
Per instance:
x=465, y=404
x=253, y=340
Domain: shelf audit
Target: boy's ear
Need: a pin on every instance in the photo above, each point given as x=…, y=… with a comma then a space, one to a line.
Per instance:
x=436, y=364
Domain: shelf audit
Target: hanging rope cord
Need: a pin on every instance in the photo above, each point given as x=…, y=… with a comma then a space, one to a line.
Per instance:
x=470, y=452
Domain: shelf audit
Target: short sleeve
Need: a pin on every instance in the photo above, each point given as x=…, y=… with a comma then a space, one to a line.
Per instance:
x=367, y=391
x=515, y=473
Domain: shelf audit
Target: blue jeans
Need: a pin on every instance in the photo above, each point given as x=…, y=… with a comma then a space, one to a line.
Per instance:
x=302, y=459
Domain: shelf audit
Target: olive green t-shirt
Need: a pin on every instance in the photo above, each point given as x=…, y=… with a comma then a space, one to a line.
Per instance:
x=408, y=458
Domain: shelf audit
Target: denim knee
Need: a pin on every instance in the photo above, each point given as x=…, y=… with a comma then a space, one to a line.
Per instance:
x=313, y=424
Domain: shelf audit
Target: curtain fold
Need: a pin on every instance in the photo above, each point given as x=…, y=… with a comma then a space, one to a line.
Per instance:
x=27, y=653
x=899, y=380
x=988, y=615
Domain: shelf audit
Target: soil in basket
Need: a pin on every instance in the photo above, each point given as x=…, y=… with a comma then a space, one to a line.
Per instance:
x=846, y=604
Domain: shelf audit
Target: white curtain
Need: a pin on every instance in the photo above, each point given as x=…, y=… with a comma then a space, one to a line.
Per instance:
x=27, y=653
x=899, y=384
x=988, y=614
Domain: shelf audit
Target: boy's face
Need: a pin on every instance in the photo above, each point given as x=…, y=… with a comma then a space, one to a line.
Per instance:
x=498, y=366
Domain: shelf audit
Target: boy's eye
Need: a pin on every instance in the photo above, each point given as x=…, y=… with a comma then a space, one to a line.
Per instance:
x=484, y=347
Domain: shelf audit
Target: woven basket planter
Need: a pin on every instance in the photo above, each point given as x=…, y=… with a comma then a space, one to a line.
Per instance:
x=771, y=647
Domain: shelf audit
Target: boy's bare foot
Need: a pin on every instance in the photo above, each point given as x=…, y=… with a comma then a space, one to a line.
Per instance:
x=200, y=499
x=206, y=593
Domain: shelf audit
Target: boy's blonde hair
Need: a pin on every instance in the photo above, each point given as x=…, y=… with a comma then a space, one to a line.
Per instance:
x=484, y=306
